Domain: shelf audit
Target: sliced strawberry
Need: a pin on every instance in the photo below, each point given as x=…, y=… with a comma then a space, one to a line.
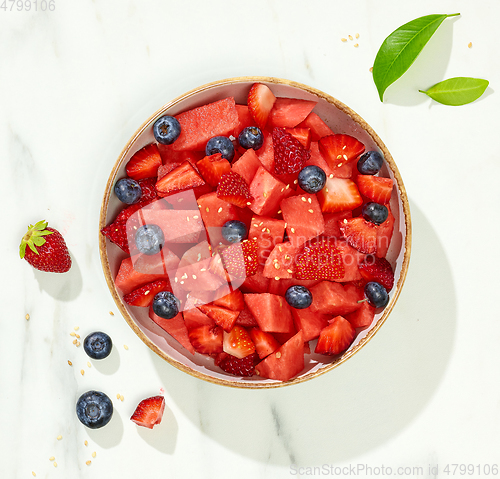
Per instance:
x=163, y=170
x=183, y=177
x=241, y=259
x=225, y=318
x=207, y=339
x=238, y=342
x=303, y=135
x=148, y=189
x=265, y=343
x=320, y=260
x=213, y=167
x=289, y=154
x=339, y=194
x=144, y=163
x=233, y=301
x=234, y=189
x=149, y=412
x=144, y=295
x=260, y=102
x=376, y=188
x=238, y=367
x=336, y=337
x=360, y=234
x=340, y=149
x=379, y=270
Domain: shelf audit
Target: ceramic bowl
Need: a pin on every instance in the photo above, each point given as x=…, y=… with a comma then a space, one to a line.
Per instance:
x=341, y=119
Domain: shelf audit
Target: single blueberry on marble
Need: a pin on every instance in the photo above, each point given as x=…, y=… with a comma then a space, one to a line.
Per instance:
x=94, y=409
x=97, y=345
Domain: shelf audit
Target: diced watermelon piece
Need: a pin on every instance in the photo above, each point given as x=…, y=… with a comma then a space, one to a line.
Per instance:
x=246, y=319
x=257, y=283
x=332, y=223
x=267, y=193
x=169, y=156
x=286, y=362
x=225, y=318
x=129, y=279
x=332, y=298
x=309, y=322
x=247, y=165
x=198, y=125
x=281, y=261
x=318, y=127
x=317, y=159
x=271, y=312
x=194, y=318
x=266, y=152
x=233, y=301
x=245, y=119
x=265, y=343
x=351, y=258
x=268, y=232
x=183, y=177
x=175, y=327
x=289, y=112
x=362, y=317
x=384, y=235
x=303, y=218
x=159, y=263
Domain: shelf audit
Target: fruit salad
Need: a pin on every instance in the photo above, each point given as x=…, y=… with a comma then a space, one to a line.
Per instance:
x=254, y=234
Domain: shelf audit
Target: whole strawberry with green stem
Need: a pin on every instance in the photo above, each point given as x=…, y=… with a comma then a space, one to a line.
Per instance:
x=44, y=248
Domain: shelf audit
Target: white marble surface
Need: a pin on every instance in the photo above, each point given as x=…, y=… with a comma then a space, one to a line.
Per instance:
x=75, y=83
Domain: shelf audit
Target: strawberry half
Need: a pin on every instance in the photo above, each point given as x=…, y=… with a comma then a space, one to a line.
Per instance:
x=213, y=167
x=44, y=248
x=379, y=270
x=360, y=234
x=149, y=412
x=234, y=189
x=144, y=295
x=289, y=154
x=260, y=101
x=241, y=259
x=320, y=260
x=207, y=339
x=336, y=337
x=340, y=149
x=225, y=318
x=238, y=367
x=339, y=194
x=303, y=135
x=144, y=163
x=184, y=177
x=265, y=343
x=376, y=188
x=233, y=301
x=238, y=342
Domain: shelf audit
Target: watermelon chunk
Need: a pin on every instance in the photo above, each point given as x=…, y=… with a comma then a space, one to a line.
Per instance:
x=194, y=318
x=247, y=165
x=175, y=327
x=286, y=362
x=317, y=159
x=318, y=127
x=266, y=152
x=334, y=299
x=268, y=232
x=256, y=283
x=309, y=322
x=271, y=312
x=281, y=261
x=129, y=279
x=198, y=125
x=245, y=119
x=171, y=157
x=384, y=235
x=362, y=317
x=267, y=193
x=332, y=223
x=289, y=112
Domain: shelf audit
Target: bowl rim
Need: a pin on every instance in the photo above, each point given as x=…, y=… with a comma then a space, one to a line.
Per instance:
x=406, y=244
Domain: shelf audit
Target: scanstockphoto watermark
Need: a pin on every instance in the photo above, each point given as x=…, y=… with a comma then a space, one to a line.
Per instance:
x=27, y=5
x=382, y=470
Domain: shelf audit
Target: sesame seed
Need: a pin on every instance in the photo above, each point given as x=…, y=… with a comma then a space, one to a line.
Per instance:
x=55, y=464
x=76, y=328
x=77, y=336
x=207, y=209
x=345, y=220
x=70, y=363
x=203, y=269
x=86, y=443
x=282, y=189
x=286, y=225
x=356, y=45
x=187, y=218
x=370, y=69
x=34, y=474
x=184, y=276
x=276, y=265
x=256, y=225
x=309, y=200
x=264, y=194
x=199, y=257
x=77, y=343
x=339, y=165
x=249, y=203
x=326, y=190
x=72, y=334
x=255, y=237
x=287, y=257
x=179, y=200
x=59, y=437
x=52, y=458
x=287, y=186
x=126, y=347
x=345, y=157
x=295, y=182
x=194, y=276
x=470, y=45
x=122, y=397
x=280, y=248
x=263, y=229
x=268, y=230
x=27, y=317
x=357, y=35
x=343, y=39
x=303, y=199
x=118, y=396
x=339, y=156
x=279, y=212
x=277, y=278
x=175, y=279
x=278, y=355
x=94, y=454
x=293, y=230
x=74, y=341
x=311, y=211
x=195, y=217
x=261, y=223
x=88, y=364
x=88, y=463
x=147, y=292
x=331, y=175
x=82, y=372
x=111, y=313
x=219, y=210
x=350, y=37
x=289, y=271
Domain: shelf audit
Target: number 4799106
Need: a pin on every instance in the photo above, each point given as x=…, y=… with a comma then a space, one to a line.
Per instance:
x=27, y=5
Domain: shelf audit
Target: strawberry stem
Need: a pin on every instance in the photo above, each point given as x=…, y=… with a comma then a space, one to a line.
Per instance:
x=34, y=237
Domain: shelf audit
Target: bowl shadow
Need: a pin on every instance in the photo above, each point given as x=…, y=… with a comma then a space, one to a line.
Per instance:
x=356, y=407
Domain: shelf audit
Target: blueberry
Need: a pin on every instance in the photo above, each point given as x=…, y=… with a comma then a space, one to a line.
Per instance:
x=166, y=130
x=370, y=163
x=234, y=231
x=298, y=297
x=376, y=294
x=97, y=345
x=375, y=212
x=222, y=145
x=165, y=305
x=128, y=191
x=312, y=179
x=149, y=239
x=94, y=409
x=251, y=137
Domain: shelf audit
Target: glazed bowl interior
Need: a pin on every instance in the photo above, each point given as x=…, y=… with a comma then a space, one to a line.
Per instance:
x=340, y=119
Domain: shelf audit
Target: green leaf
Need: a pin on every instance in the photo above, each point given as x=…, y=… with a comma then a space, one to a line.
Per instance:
x=457, y=91
x=400, y=49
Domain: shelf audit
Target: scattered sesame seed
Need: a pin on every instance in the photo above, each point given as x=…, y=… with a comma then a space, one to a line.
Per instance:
x=72, y=334
x=88, y=463
x=70, y=363
x=303, y=199
x=339, y=165
x=256, y=225
x=276, y=265
x=286, y=225
x=261, y=223
x=121, y=399
x=255, y=237
x=249, y=203
x=356, y=45
x=311, y=211
x=179, y=200
x=326, y=190
x=350, y=37
x=118, y=396
x=194, y=276
x=282, y=189
x=357, y=35
x=278, y=355
x=263, y=229
x=175, y=279
x=345, y=220
x=75, y=341
x=287, y=186
x=295, y=182
x=82, y=372
x=289, y=271
x=27, y=317
x=345, y=157
x=34, y=474
x=86, y=443
x=293, y=230
x=207, y=210
x=203, y=270
x=219, y=210
x=343, y=39
x=370, y=69
x=339, y=157
x=268, y=230
x=280, y=248
x=470, y=45
x=182, y=282
x=187, y=218
x=88, y=364
x=287, y=257
x=52, y=458
x=111, y=313
x=279, y=212
x=331, y=175
x=125, y=346
x=76, y=328
x=94, y=454
x=309, y=200
x=195, y=217
x=55, y=464
x=264, y=194
x=184, y=276
x=59, y=437
x=277, y=278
